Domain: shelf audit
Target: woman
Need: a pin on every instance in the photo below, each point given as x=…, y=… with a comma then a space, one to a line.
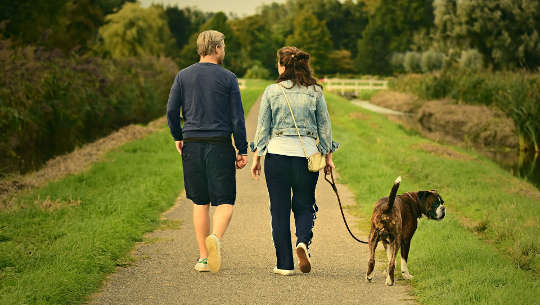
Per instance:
x=285, y=165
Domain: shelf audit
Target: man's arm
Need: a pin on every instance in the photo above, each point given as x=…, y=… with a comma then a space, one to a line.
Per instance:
x=238, y=121
x=173, y=109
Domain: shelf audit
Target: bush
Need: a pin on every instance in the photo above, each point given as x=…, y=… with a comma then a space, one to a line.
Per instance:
x=50, y=103
x=411, y=62
x=257, y=72
x=397, y=62
x=431, y=61
x=471, y=60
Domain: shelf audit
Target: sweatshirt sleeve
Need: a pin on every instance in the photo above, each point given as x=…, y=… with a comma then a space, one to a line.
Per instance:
x=173, y=109
x=238, y=121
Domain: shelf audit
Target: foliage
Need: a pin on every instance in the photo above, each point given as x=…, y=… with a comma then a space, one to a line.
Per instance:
x=411, y=62
x=257, y=72
x=391, y=29
x=64, y=24
x=312, y=36
x=50, y=102
x=136, y=31
x=183, y=23
x=431, y=61
x=506, y=33
x=471, y=60
x=515, y=93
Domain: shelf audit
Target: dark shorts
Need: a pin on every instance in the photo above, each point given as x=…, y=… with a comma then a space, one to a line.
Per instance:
x=209, y=172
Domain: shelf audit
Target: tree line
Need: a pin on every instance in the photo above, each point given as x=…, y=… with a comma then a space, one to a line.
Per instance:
x=361, y=37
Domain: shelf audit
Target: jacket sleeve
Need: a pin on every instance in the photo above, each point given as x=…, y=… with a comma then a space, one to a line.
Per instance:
x=238, y=121
x=324, y=128
x=264, y=125
x=173, y=109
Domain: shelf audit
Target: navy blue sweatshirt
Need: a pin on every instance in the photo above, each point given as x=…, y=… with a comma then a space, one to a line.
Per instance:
x=211, y=105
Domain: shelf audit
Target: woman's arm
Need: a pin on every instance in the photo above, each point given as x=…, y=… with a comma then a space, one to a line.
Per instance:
x=264, y=125
x=324, y=129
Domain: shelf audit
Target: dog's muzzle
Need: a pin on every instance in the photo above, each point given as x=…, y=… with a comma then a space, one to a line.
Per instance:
x=441, y=212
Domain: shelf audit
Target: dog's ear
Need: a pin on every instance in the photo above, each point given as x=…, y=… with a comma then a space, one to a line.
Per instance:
x=423, y=195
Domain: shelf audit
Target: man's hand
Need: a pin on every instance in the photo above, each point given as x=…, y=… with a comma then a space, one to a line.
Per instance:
x=179, y=145
x=241, y=161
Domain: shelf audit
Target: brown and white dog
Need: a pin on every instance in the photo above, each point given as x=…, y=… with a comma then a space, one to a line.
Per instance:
x=394, y=222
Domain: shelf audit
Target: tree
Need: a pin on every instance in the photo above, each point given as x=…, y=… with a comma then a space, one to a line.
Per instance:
x=391, y=29
x=258, y=46
x=506, y=33
x=312, y=36
x=135, y=31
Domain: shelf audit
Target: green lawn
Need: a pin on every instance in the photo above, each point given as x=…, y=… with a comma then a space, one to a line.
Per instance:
x=67, y=236
x=451, y=264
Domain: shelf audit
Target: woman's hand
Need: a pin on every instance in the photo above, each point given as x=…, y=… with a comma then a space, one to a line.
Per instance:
x=329, y=164
x=256, y=166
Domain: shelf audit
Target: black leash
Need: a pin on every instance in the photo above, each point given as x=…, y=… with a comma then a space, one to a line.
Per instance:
x=333, y=184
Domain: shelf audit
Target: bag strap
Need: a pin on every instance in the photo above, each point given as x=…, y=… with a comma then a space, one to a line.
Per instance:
x=294, y=120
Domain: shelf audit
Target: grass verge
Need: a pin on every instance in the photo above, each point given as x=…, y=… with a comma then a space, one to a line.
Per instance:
x=61, y=240
x=254, y=88
x=451, y=264
x=65, y=237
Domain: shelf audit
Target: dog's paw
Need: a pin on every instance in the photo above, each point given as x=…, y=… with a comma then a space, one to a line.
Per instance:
x=407, y=275
x=369, y=277
x=389, y=281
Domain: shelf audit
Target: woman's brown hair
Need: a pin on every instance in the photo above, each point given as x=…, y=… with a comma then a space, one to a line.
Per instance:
x=297, y=68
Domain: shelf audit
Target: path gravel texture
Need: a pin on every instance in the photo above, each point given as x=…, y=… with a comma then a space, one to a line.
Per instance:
x=162, y=271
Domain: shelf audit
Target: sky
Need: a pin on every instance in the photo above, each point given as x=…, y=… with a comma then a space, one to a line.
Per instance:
x=238, y=7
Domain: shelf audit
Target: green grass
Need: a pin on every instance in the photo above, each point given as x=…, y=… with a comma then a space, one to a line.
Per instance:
x=59, y=256
x=451, y=264
x=64, y=238
x=254, y=88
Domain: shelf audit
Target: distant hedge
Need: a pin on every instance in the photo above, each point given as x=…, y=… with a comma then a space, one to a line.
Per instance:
x=51, y=103
x=515, y=93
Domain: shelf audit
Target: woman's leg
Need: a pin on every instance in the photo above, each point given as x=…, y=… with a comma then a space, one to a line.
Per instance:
x=277, y=174
x=303, y=202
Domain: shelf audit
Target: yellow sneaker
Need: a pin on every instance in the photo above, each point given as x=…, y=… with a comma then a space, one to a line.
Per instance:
x=214, y=252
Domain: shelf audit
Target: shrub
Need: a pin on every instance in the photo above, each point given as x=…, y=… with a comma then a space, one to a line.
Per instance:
x=471, y=60
x=257, y=72
x=431, y=61
x=50, y=103
x=397, y=62
x=411, y=62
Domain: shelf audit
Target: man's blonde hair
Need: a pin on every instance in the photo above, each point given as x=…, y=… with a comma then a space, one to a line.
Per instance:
x=208, y=41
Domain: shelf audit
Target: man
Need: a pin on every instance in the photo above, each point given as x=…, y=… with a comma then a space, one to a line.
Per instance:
x=212, y=109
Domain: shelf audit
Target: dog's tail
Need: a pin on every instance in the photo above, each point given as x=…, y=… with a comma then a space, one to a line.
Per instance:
x=393, y=193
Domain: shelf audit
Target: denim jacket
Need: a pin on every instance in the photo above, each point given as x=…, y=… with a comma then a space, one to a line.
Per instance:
x=310, y=112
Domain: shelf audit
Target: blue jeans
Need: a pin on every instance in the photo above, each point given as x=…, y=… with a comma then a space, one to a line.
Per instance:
x=285, y=174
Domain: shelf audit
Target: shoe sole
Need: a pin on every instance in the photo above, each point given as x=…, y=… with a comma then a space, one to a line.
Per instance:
x=303, y=261
x=214, y=255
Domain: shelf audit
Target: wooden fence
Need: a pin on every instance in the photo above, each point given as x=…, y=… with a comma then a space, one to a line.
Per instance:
x=353, y=85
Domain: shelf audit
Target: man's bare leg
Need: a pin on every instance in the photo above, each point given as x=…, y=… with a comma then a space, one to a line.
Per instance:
x=201, y=222
x=221, y=219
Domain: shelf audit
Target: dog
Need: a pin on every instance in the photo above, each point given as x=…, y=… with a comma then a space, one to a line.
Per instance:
x=394, y=221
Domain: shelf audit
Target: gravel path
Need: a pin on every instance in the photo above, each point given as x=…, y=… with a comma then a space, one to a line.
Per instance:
x=162, y=272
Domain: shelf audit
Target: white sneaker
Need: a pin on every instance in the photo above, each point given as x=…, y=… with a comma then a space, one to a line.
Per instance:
x=202, y=265
x=214, y=252
x=283, y=271
x=304, y=260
